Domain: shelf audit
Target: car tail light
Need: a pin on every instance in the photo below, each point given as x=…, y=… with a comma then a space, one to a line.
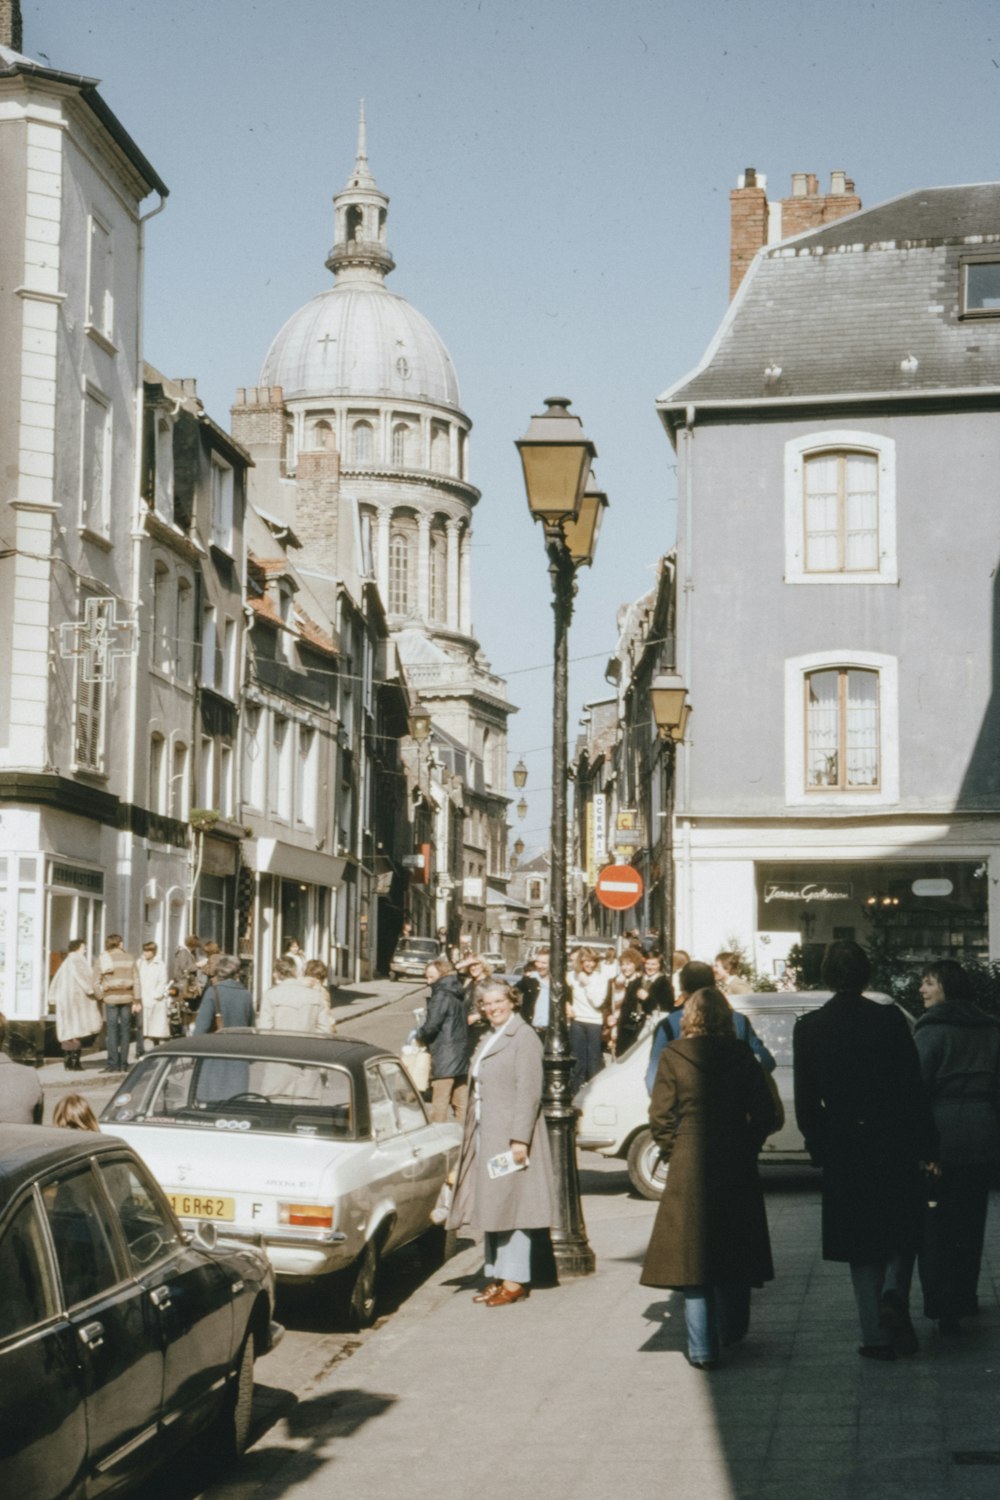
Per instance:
x=306, y=1215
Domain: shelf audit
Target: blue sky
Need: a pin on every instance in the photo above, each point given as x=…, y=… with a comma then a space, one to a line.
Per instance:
x=559, y=176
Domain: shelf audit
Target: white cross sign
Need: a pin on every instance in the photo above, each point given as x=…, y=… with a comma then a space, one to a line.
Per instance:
x=100, y=639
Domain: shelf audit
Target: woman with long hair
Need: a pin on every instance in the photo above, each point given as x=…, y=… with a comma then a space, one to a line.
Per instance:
x=710, y=1114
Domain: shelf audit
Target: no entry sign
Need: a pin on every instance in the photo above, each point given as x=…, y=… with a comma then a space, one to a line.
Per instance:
x=619, y=887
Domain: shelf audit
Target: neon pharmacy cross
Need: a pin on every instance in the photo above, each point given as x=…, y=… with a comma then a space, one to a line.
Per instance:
x=99, y=639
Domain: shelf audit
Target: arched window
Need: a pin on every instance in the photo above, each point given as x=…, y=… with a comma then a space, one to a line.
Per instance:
x=160, y=644
x=362, y=443
x=439, y=577
x=322, y=435
x=400, y=444
x=842, y=729
x=842, y=738
x=381, y=224
x=399, y=573
x=154, y=800
x=439, y=447
x=841, y=512
x=355, y=222
x=289, y=454
x=184, y=630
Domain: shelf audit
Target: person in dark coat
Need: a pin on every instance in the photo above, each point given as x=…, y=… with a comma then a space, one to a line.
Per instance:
x=655, y=992
x=710, y=1114
x=627, y=1013
x=693, y=977
x=861, y=1109
x=446, y=1032
x=221, y=1078
x=504, y=1186
x=959, y=1050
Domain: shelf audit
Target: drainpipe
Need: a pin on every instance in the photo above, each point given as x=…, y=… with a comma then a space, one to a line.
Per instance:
x=135, y=592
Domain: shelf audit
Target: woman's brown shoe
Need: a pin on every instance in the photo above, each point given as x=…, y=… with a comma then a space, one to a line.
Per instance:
x=488, y=1291
x=505, y=1295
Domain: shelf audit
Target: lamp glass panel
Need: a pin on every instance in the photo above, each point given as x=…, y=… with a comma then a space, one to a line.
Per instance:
x=668, y=706
x=554, y=475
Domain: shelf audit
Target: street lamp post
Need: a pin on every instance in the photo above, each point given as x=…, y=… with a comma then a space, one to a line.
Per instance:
x=669, y=703
x=556, y=456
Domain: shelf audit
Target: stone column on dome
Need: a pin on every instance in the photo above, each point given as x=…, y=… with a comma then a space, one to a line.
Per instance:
x=454, y=543
x=465, y=603
x=453, y=450
x=383, y=523
x=424, y=567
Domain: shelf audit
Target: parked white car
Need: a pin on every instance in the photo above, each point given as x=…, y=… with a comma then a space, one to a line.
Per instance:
x=319, y=1148
x=614, y=1105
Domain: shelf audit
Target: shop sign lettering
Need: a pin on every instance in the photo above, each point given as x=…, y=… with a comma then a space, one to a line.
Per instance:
x=832, y=890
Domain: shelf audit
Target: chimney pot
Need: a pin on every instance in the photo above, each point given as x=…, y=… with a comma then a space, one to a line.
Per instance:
x=838, y=183
x=798, y=184
x=813, y=184
x=750, y=177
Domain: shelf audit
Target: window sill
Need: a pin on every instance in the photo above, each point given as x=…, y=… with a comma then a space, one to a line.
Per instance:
x=90, y=773
x=97, y=537
x=100, y=339
x=862, y=580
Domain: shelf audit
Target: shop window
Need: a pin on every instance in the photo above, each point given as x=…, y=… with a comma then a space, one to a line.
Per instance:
x=840, y=508
x=842, y=729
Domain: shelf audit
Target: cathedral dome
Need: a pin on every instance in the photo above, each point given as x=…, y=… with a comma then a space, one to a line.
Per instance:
x=359, y=339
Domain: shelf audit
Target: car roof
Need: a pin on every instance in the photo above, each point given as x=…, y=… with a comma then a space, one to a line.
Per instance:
x=419, y=942
x=27, y=1150
x=280, y=1046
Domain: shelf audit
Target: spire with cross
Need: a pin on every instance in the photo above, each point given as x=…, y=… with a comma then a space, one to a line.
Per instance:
x=359, y=249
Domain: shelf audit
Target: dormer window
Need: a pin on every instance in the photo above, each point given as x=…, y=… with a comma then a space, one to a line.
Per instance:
x=981, y=288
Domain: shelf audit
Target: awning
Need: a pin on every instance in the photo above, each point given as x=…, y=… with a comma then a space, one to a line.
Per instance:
x=277, y=858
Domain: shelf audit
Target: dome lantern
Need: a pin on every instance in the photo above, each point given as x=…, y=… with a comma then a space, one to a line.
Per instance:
x=361, y=211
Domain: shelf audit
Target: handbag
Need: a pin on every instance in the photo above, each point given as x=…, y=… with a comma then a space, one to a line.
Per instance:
x=218, y=1024
x=417, y=1061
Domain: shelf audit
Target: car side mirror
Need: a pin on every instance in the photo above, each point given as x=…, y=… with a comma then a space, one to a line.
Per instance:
x=206, y=1234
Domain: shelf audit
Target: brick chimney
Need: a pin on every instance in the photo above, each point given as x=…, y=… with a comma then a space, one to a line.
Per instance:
x=807, y=209
x=748, y=224
x=755, y=222
x=11, y=33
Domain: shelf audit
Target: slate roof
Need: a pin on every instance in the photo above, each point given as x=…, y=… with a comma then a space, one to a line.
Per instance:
x=866, y=306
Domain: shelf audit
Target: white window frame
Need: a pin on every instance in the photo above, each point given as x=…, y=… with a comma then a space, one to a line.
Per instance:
x=100, y=282
x=95, y=516
x=253, y=741
x=222, y=505
x=840, y=440
x=797, y=668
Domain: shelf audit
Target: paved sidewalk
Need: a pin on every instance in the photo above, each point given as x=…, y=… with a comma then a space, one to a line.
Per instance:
x=348, y=1003
x=584, y=1392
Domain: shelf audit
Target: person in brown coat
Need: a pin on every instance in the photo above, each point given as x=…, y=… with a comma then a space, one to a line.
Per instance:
x=711, y=1111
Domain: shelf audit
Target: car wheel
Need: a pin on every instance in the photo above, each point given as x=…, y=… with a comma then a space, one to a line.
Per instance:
x=239, y=1402
x=646, y=1171
x=363, y=1300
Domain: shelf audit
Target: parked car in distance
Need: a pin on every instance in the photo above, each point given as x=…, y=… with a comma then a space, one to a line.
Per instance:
x=614, y=1105
x=496, y=961
x=121, y=1335
x=319, y=1147
x=412, y=956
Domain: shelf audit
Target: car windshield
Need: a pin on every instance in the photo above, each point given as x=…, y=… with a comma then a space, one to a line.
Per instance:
x=418, y=948
x=258, y=1095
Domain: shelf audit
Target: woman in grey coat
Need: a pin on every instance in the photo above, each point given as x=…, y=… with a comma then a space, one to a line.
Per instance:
x=959, y=1050
x=504, y=1185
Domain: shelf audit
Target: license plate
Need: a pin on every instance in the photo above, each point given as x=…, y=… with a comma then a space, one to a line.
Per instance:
x=202, y=1206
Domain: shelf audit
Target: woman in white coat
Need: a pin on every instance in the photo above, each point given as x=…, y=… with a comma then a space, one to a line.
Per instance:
x=151, y=974
x=74, y=999
x=504, y=1183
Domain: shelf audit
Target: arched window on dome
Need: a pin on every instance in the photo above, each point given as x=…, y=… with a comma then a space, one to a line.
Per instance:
x=400, y=573
x=321, y=435
x=355, y=222
x=400, y=445
x=439, y=447
x=362, y=443
x=381, y=225
x=289, y=455
x=461, y=455
x=439, y=576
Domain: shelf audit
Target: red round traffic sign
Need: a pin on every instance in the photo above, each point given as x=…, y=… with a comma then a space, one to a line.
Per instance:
x=618, y=887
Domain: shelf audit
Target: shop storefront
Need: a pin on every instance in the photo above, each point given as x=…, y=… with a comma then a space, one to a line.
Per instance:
x=916, y=909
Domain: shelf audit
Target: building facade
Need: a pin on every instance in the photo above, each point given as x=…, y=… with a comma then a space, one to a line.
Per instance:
x=838, y=534
x=73, y=816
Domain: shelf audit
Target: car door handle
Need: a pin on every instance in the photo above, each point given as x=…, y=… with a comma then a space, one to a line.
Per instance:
x=160, y=1297
x=92, y=1334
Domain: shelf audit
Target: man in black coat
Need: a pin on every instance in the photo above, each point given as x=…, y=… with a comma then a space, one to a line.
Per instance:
x=862, y=1111
x=447, y=1033
x=535, y=991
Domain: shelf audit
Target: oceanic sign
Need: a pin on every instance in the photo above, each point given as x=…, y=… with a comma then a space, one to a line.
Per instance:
x=100, y=639
x=800, y=890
